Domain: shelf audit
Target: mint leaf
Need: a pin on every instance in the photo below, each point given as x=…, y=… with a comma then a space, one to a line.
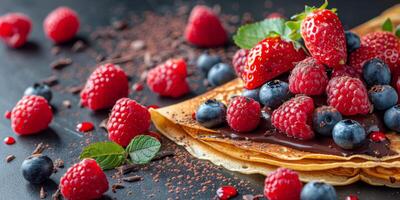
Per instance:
x=387, y=25
x=107, y=154
x=398, y=31
x=143, y=148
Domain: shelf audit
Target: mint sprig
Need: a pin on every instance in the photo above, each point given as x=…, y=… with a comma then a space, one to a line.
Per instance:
x=143, y=148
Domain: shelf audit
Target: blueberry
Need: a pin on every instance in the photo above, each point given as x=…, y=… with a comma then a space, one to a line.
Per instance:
x=211, y=113
x=383, y=96
x=352, y=41
x=206, y=61
x=220, y=73
x=316, y=190
x=392, y=118
x=39, y=89
x=253, y=94
x=274, y=93
x=324, y=119
x=376, y=72
x=37, y=168
x=348, y=134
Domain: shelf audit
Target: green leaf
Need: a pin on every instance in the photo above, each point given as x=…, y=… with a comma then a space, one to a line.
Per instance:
x=387, y=25
x=398, y=31
x=143, y=148
x=108, y=155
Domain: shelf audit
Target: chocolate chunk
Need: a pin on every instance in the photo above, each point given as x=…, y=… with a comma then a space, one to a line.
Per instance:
x=10, y=158
x=61, y=63
x=120, y=25
x=50, y=81
x=78, y=46
x=39, y=149
x=116, y=186
x=132, y=178
x=75, y=89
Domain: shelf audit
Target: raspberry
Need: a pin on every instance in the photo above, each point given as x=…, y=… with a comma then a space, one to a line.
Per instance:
x=346, y=71
x=127, y=120
x=204, y=28
x=239, y=61
x=243, y=114
x=282, y=184
x=14, y=29
x=84, y=180
x=348, y=95
x=104, y=87
x=308, y=77
x=61, y=24
x=31, y=115
x=294, y=116
x=360, y=56
x=169, y=78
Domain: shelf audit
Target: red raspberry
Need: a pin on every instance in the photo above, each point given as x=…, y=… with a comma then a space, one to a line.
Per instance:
x=308, y=77
x=127, y=120
x=104, y=87
x=61, y=24
x=169, y=78
x=294, y=116
x=84, y=180
x=204, y=28
x=243, y=114
x=239, y=61
x=31, y=115
x=346, y=71
x=348, y=95
x=14, y=29
x=282, y=184
x=360, y=56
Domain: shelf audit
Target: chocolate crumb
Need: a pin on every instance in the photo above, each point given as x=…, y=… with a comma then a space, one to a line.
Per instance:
x=39, y=149
x=67, y=103
x=128, y=168
x=116, y=186
x=78, y=46
x=75, y=89
x=61, y=63
x=120, y=25
x=50, y=81
x=55, y=50
x=58, y=163
x=56, y=195
x=132, y=178
x=252, y=197
x=138, y=45
x=103, y=124
x=42, y=193
x=10, y=158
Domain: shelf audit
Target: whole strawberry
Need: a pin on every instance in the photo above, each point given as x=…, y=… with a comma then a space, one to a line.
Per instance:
x=104, y=87
x=84, y=180
x=61, y=24
x=294, y=117
x=308, y=77
x=204, y=29
x=169, y=78
x=127, y=120
x=282, y=184
x=243, y=114
x=348, y=95
x=239, y=61
x=270, y=58
x=31, y=115
x=324, y=36
x=14, y=29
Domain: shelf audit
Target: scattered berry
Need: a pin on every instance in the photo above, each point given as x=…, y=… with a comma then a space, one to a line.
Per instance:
x=7, y=114
x=239, y=61
x=293, y=116
x=220, y=73
x=127, y=120
x=308, y=77
x=253, y=94
x=15, y=29
x=9, y=140
x=137, y=87
x=211, y=113
x=348, y=134
x=169, y=78
x=282, y=184
x=226, y=192
x=376, y=72
x=61, y=24
x=40, y=90
x=37, y=168
x=383, y=97
x=268, y=59
x=315, y=190
x=31, y=115
x=377, y=136
x=154, y=135
x=348, y=95
x=85, y=127
x=353, y=42
x=84, y=180
x=392, y=118
x=204, y=29
x=206, y=61
x=351, y=197
x=243, y=114
x=346, y=71
x=360, y=56
x=274, y=93
x=324, y=119
x=104, y=87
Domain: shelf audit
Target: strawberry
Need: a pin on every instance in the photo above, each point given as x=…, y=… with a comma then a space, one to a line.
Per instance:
x=268, y=59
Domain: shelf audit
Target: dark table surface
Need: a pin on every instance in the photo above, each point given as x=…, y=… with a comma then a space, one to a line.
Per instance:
x=20, y=68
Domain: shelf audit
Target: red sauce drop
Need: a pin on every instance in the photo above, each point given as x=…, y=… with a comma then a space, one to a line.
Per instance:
x=226, y=192
x=152, y=106
x=85, y=127
x=351, y=197
x=7, y=114
x=154, y=134
x=9, y=140
x=137, y=87
x=377, y=136
x=194, y=115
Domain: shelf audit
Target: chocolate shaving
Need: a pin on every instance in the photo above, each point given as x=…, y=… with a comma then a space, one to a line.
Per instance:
x=39, y=149
x=128, y=168
x=10, y=158
x=252, y=197
x=163, y=154
x=75, y=89
x=56, y=195
x=119, y=60
x=116, y=186
x=50, y=81
x=61, y=63
x=42, y=193
x=132, y=178
x=55, y=50
x=78, y=46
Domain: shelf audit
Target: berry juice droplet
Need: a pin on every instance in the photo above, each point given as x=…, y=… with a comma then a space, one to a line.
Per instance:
x=138, y=87
x=194, y=115
x=226, y=192
x=351, y=197
x=377, y=136
x=9, y=140
x=85, y=127
x=7, y=114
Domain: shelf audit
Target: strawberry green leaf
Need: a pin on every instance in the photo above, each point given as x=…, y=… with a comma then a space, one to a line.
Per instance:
x=143, y=148
x=108, y=155
x=387, y=25
x=398, y=31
